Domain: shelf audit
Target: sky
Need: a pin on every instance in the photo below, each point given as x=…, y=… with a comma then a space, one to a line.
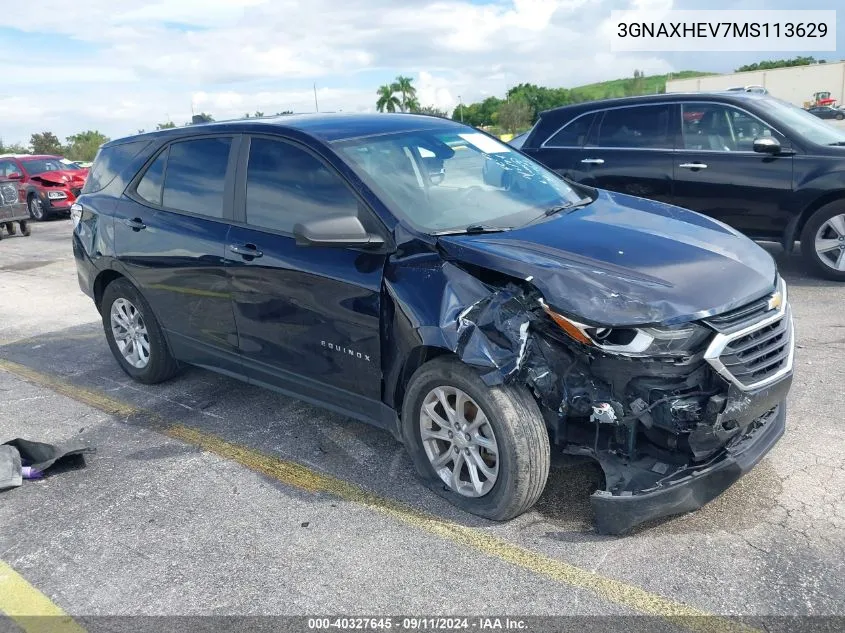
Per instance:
x=122, y=65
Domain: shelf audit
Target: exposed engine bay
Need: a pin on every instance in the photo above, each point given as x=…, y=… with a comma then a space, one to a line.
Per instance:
x=657, y=407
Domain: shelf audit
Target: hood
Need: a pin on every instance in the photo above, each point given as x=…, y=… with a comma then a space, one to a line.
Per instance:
x=63, y=177
x=624, y=261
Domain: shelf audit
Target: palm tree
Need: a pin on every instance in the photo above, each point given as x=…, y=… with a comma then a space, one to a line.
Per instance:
x=386, y=99
x=405, y=85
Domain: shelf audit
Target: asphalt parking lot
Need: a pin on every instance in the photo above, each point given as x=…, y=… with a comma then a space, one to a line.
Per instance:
x=208, y=496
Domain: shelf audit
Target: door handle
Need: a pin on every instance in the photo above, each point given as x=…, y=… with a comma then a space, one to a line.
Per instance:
x=593, y=161
x=245, y=250
x=693, y=165
x=136, y=224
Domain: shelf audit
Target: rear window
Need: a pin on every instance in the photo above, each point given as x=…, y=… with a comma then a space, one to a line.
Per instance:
x=110, y=161
x=573, y=134
x=196, y=175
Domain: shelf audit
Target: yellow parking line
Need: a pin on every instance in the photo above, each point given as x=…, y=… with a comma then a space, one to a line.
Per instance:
x=31, y=610
x=300, y=476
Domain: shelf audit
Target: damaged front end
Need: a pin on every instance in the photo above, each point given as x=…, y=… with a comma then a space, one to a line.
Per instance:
x=673, y=414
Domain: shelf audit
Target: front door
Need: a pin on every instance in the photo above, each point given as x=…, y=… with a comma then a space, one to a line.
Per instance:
x=307, y=317
x=717, y=173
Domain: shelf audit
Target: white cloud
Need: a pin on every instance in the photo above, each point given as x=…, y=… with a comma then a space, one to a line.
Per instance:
x=134, y=63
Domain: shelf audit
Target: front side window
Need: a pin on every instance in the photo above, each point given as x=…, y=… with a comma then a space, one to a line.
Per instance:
x=722, y=128
x=195, y=176
x=286, y=185
x=450, y=179
x=640, y=127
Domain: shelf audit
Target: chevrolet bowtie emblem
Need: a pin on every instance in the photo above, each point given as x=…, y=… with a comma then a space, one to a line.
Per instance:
x=775, y=301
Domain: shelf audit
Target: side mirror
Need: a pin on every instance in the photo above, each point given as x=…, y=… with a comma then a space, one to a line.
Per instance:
x=767, y=145
x=15, y=175
x=340, y=232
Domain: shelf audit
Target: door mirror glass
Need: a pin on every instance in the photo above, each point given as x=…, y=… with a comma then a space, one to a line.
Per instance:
x=767, y=145
x=340, y=232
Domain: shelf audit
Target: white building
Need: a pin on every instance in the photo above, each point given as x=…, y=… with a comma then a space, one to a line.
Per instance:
x=796, y=84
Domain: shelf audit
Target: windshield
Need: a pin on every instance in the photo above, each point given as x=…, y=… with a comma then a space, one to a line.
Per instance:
x=40, y=165
x=442, y=180
x=808, y=126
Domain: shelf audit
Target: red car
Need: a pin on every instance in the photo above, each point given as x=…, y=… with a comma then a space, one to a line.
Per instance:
x=48, y=184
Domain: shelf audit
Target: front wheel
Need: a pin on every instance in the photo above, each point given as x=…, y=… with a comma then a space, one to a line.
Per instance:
x=25, y=229
x=485, y=449
x=134, y=335
x=823, y=241
x=840, y=116
x=36, y=209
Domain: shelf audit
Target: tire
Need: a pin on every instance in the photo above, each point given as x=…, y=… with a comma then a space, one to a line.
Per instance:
x=828, y=224
x=26, y=231
x=518, y=430
x=839, y=117
x=10, y=227
x=36, y=209
x=160, y=364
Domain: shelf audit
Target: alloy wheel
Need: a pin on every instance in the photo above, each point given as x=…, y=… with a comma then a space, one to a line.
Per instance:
x=130, y=333
x=459, y=441
x=36, y=210
x=830, y=242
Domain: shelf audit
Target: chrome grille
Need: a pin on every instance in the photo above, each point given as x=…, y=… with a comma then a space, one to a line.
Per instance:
x=760, y=352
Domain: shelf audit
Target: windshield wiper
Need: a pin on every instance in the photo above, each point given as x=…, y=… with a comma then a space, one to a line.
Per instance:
x=559, y=208
x=569, y=206
x=474, y=229
x=837, y=143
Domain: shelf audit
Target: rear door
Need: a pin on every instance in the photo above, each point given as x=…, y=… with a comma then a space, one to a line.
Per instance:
x=307, y=317
x=170, y=238
x=629, y=149
x=562, y=151
x=717, y=173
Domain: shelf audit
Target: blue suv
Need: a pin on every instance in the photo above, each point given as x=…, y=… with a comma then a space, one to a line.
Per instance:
x=420, y=275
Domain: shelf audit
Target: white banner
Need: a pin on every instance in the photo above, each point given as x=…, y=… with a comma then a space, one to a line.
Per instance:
x=723, y=31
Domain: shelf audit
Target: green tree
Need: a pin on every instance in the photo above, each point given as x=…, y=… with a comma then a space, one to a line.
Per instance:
x=405, y=86
x=84, y=146
x=14, y=148
x=283, y=112
x=46, y=143
x=514, y=115
x=165, y=126
x=203, y=117
x=777, y=63
x=432, y=110
x=387, y=99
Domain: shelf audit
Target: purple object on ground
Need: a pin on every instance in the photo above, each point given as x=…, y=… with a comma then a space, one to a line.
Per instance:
x=28, y=472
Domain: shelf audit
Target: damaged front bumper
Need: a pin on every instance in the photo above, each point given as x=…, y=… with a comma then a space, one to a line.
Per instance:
x=688, y=488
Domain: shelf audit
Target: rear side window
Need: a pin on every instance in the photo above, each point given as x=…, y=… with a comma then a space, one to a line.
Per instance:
x=286, y=185
x=150, y=186
x=636, y=127
x=109, y=162
x=573, y=134
x=195, y=176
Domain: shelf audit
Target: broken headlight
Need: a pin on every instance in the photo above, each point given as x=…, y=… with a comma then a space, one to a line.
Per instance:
x=681, y=340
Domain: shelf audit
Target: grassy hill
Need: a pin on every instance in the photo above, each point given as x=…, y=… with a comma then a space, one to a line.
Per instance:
x=652, y=84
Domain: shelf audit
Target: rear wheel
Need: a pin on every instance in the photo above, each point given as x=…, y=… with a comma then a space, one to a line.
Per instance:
x=134, y=335
x=25, y=230
x=485, y=449
x=36, y=209
x=10, y=227
x=823, y=241
x=840, y=116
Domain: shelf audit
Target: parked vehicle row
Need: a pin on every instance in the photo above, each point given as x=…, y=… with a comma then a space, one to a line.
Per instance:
x=758, y=164
x=427, y=278
x=48, y=185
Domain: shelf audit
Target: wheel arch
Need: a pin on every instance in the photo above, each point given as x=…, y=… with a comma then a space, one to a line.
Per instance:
x=101, y=282
x=416, y=358
x=794, y=229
